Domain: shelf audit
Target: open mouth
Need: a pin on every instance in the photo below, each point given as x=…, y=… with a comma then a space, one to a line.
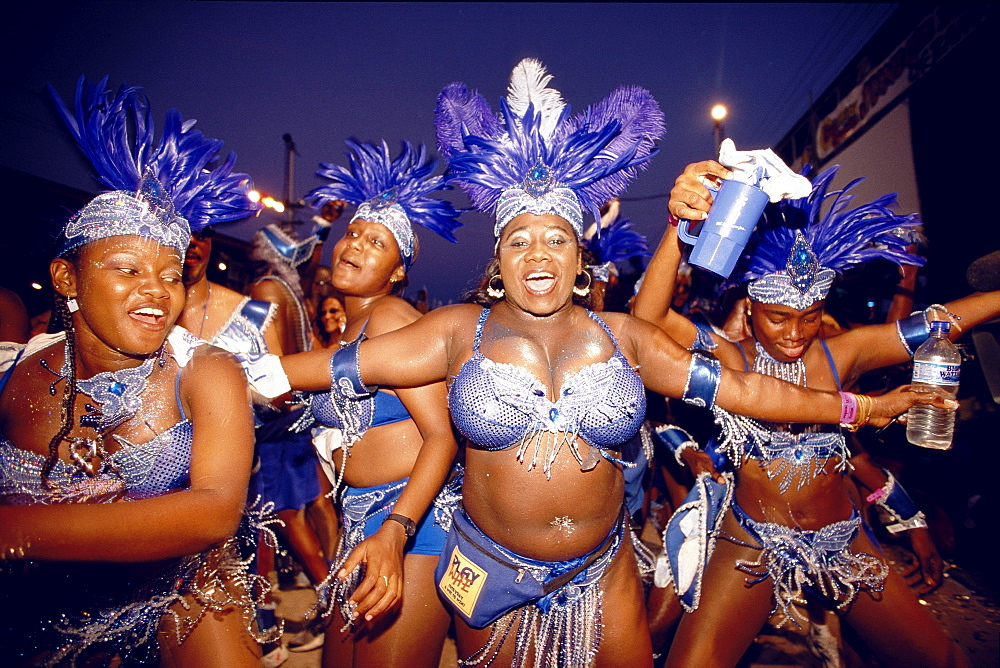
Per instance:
x=149, y=315
x=539, y=282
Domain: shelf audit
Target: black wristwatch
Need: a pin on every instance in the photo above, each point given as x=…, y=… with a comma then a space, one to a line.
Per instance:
x=408, y=525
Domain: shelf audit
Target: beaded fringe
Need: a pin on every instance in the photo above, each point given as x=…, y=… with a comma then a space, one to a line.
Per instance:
x=566, y=636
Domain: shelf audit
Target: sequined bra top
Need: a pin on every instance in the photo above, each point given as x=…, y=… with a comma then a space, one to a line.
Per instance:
x=134, y=471
x=497, y=405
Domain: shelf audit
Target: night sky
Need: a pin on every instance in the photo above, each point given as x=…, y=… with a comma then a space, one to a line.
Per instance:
x=251, y=71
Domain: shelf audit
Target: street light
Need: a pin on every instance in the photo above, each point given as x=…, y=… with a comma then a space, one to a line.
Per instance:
x=718, y=114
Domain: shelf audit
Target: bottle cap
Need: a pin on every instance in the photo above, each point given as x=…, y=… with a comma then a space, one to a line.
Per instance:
x=940, y=327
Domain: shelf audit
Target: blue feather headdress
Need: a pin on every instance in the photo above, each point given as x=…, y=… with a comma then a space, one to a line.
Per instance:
x=391, y=192
x=537, y=158
x=161, y=191
x=794, y=259
x=616, y=242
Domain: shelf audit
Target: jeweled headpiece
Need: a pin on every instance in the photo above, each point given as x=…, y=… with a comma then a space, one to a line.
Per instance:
x=797, y=253
x=535, y=157
x=391, y=192
x=160, y=191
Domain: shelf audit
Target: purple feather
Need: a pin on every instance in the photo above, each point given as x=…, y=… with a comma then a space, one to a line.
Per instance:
x=596, y=153
x=618, y=242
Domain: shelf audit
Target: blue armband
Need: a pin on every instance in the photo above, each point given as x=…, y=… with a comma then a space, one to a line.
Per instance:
x=894, y=500
x=345, y=373
x=913, y=330
x=702, y=381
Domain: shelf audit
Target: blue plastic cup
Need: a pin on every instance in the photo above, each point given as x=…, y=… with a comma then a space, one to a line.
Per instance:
x=724, y=234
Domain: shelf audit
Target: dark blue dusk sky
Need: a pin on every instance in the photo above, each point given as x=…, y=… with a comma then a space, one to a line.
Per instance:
x=323, y=72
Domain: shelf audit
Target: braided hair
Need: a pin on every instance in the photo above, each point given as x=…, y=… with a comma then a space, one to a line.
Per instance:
x=63, y=320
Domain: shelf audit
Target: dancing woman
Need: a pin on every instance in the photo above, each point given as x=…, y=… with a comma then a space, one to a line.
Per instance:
x=533, y=568
x=390, y=436
x=126, y=443
x=791, y=527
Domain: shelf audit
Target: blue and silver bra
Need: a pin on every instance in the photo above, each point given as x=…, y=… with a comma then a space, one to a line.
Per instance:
x=497, y=405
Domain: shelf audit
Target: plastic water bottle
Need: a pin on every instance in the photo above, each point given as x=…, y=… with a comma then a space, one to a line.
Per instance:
x=936, y=363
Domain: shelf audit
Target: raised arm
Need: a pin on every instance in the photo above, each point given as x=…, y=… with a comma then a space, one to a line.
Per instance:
x=689, y=198
x=215, y=397
x=874, y=346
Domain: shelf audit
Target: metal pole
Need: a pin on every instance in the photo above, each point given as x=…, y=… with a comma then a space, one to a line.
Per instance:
x=289, y=179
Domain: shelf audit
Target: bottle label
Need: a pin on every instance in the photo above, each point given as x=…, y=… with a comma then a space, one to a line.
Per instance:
x=936, y=374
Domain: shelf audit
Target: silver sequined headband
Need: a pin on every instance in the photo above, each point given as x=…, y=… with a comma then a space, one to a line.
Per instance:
x=394, y=218
x=148, y=213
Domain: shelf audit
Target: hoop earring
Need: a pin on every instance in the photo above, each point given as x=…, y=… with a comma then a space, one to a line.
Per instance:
x=585, y=290
x=71, y=305
x=495, y=293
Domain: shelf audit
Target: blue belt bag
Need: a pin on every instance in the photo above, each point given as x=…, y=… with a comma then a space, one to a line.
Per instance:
x=482, y=583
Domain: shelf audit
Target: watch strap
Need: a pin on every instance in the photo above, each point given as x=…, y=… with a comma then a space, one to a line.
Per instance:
x=408, y=525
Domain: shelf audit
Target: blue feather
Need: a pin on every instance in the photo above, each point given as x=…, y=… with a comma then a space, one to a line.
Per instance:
x=841, y=238
x=100, y=125
x=618, y=242
x=371, y=171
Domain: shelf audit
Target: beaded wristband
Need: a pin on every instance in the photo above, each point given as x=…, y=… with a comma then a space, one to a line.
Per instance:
x=676, y=440
x=900, y=507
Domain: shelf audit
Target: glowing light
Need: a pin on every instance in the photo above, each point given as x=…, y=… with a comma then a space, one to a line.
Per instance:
x=272, y=203
x=254, y=196
x=222, y=266
x=719, y=112
x=36, y=286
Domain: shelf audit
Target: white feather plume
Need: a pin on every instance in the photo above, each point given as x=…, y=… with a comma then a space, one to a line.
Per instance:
x=528, y=86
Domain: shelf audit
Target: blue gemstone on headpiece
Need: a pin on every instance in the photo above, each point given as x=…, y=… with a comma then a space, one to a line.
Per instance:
x=384, y=200
x=802, y=263
x=538, y=181
x=116, y=388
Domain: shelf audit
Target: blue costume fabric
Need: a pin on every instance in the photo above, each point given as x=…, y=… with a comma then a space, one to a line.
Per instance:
x=497, y=406
x=286, y=468
x=562, y=627
x=364, y=509
x=377, y=409
x=67, y=611
x=798, y=561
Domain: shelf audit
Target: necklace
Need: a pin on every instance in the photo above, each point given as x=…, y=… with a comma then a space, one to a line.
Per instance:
x=792, y=372
x=116, y=393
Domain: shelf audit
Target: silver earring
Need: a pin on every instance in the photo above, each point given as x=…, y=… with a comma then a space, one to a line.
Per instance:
x=71, y=305
x=585, y=290
x=495, y=293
